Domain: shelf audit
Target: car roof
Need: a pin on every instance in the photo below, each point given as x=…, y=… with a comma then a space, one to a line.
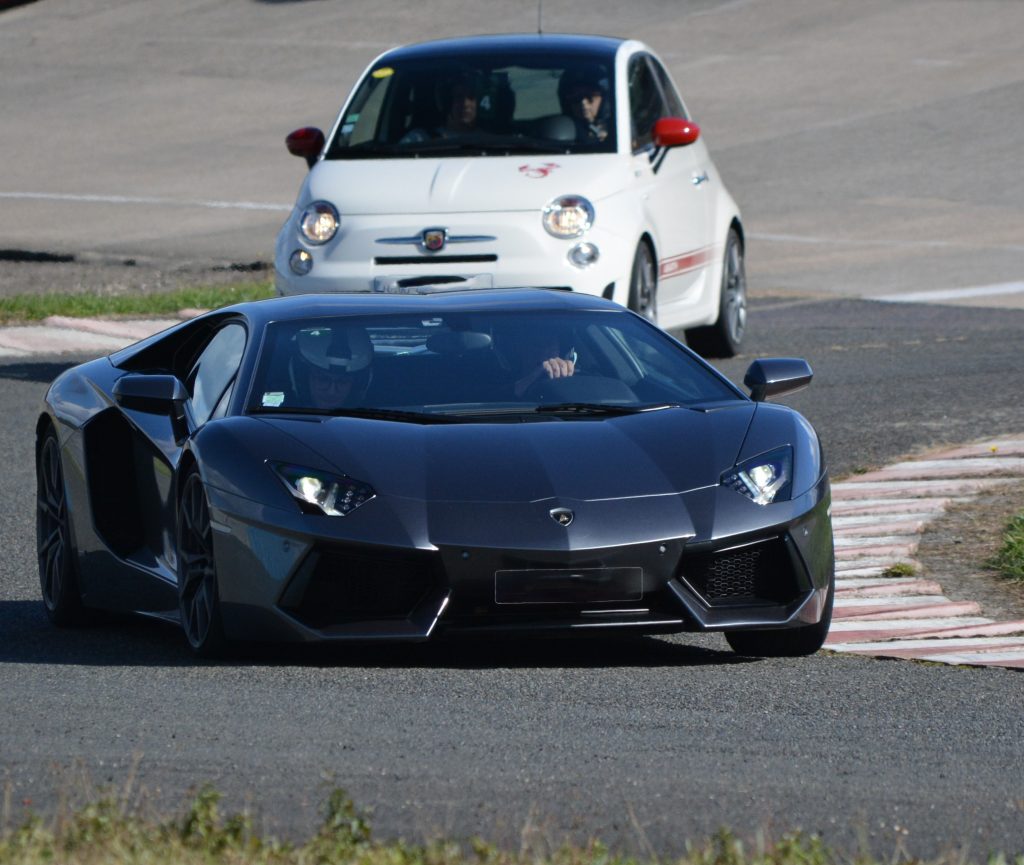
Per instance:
x=263, y=312
x=260, y=313
x=511, y=43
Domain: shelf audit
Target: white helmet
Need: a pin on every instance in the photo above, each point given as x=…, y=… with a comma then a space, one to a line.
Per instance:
x=337, y=348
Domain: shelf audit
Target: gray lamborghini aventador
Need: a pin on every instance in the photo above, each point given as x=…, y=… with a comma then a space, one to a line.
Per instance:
x=375, y=467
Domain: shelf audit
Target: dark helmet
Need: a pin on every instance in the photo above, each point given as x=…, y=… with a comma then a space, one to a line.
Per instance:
x=590, y=77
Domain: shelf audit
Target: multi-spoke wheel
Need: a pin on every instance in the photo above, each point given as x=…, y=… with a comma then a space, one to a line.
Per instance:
x=57, y=575
x=725, y=336
x=643, y=284
x=198, y=595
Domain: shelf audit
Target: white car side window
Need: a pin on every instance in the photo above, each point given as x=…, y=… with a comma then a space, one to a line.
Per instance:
x=646, y=106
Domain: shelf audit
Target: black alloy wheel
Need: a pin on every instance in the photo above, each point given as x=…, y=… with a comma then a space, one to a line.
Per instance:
x=198, y=595
x=724, y=338
x=643, y=284
x=58, y=577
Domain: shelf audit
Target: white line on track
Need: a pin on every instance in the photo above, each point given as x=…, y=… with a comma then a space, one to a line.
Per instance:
x=993, y=290
x=147, y=199
x=900, y=244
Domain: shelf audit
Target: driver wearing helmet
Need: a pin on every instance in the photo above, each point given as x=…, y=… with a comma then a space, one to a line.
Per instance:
x=538, y=358
x=582, y=93
x=333, y=366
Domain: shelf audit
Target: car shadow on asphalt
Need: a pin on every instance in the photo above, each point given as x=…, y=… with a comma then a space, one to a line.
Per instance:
x=126, y=641
x=42, y=372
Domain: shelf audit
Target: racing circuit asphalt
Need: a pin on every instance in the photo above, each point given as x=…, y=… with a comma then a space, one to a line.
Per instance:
x=644, y=743
x=874, y=149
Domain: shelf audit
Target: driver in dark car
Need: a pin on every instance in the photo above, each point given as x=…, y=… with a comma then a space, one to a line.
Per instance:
x=333, y=366
x=539, y=359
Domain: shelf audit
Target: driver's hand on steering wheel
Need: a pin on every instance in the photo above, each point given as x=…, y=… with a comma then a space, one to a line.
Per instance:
x=558, y=367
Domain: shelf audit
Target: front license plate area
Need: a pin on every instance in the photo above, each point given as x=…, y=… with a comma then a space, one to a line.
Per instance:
x=569, y=586
x=430, y=284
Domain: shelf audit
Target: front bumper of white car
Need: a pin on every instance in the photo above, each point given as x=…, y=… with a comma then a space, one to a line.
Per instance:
x=387, y=253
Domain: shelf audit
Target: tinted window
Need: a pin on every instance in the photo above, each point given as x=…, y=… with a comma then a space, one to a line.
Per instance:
x=673, y=103
x=477, y=363
x=477, y=105
x=645, y=103
x=215, y=369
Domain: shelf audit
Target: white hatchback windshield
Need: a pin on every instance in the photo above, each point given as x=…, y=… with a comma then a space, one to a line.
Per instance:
x=479, y=365
x=479, y=105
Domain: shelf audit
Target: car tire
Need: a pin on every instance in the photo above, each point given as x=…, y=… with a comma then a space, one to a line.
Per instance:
x=55, y=550
x=787, y=643
x=198, y=593
x=725, y=337
x=643, y=284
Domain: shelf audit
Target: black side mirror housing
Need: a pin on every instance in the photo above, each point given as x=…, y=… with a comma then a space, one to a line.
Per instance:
x=150, y=393
x=772, y=376
x=155, y=394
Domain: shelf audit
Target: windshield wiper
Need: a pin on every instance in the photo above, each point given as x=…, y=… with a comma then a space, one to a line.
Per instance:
x=601, y=408
x=494, y=146
x=370, y=413
x=366, y=150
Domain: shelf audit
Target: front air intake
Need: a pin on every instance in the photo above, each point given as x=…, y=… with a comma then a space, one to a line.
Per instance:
x=758, y=573
x=335, y=586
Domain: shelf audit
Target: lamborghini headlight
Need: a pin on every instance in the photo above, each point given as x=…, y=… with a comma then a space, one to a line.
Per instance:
x=319, y=222
x=322, y=492
x=568, y=216
x=764, y=479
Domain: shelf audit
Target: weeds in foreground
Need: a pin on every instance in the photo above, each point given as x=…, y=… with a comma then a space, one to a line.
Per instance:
x=1009, y=561
x=900, y=569
x=35, y=307
x=102, y=832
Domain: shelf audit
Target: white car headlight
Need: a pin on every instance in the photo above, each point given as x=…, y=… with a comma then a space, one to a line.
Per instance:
x=764, y=479
x=568, y=216
x=322, y=492
x=319, y=222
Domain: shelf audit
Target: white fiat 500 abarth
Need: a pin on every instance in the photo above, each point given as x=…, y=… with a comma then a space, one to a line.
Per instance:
x=565, y=162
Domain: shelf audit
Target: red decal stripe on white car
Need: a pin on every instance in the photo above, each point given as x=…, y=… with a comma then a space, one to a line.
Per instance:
x=688, y=261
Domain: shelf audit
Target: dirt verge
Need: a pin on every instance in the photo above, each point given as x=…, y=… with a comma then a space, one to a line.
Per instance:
x=955, y=547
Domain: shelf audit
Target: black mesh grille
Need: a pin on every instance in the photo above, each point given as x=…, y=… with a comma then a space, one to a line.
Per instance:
x=336, y=587
x=434, y=259
x=759, y=573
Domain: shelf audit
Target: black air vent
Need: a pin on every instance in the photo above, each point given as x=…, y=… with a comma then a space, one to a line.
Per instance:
x=760, y=573
x=434, y=259
x=337, y=586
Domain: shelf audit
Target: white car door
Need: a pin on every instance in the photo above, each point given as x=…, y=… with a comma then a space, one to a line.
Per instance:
x=672, y=184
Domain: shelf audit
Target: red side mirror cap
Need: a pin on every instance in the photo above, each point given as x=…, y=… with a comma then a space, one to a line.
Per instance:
x=306, y=142
x=675, y=132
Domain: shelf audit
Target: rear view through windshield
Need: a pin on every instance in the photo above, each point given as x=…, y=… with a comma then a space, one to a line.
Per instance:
x=466, y=364
x=480, y=105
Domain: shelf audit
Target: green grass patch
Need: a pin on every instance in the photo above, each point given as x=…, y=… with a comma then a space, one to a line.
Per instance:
x=102, y=832
x=35, y=307
x=1009, y=561
x=900, y=569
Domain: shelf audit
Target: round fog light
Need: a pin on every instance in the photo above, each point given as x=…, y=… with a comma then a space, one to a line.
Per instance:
x=301, y=262
x=584, y=254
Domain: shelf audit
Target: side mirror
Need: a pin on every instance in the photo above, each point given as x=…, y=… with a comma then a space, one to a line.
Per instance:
x=155, y=394
x=773, y=376
x=675, y=132
x=306, y=142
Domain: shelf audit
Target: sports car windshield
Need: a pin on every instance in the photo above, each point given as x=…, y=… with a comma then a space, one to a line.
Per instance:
x=482, y=105
x=470, y=366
